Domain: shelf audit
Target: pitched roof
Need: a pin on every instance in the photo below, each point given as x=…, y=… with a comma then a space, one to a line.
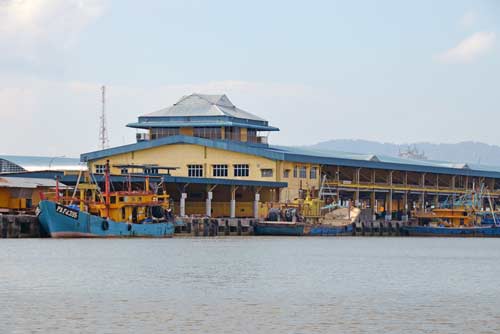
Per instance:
x=204, y=105
x=27, y=182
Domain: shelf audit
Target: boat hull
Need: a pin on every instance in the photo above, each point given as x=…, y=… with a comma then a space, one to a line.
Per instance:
x=63, y=222
x=328, y=230
x=429, y=231
x=300, y=229
x=271, y=228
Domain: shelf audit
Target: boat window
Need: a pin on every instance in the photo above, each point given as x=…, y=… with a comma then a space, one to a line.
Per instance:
x=112, y=199
x=124, y=171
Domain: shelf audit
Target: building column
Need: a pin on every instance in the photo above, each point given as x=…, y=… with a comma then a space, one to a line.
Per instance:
x=232, y=204
x=356, y=199
x=404, y=216
x=373, y=204
x=422, y=195
x=388, y=210
x=208, y=204
x=182, y=204
x=256, y=205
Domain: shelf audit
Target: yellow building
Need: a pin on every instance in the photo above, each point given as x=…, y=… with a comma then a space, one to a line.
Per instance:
x=222, y=165
x=23, y=193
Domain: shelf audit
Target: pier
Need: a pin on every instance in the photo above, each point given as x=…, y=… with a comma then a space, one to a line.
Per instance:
x=19, y=226
x=28, y=226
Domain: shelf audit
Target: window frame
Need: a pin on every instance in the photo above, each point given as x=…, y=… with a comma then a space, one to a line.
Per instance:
x=220, y=170
x=315, y=169
x=99, y=169
x=195, y=170
x=241, y=170
x=264, y=170
x=303, y=172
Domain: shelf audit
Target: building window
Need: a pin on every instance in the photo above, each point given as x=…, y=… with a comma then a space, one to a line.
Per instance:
x=220, y=170
x=157, y=133
x=286, y=173
x=241, y=170
x=208, y=132
x=123, y=170
x=151, y=170
x=296, y=171
x=266, y=172
x=100, y=169
x=303, y=172
x=232, y=133
x=195, y=170
x=313, y=173
x=251, y=136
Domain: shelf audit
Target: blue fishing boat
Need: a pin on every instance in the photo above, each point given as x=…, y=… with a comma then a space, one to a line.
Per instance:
x=330, y=230
x=126, y=213
x=61, y=221
x=279, y=228
x=442, y=231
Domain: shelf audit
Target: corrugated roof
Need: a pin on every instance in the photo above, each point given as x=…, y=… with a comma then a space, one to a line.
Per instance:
x=27, y=182
x=214, y=123
x=37, y=163
x=305, y=155
x=204, y=105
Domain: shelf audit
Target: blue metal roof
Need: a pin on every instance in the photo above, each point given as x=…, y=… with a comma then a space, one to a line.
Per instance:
x=297, y=154
x=195, y=123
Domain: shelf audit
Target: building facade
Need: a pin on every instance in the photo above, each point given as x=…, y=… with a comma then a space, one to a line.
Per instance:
x=221, y=164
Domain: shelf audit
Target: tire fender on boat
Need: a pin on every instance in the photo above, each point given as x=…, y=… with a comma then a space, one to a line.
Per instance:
x=105, y=225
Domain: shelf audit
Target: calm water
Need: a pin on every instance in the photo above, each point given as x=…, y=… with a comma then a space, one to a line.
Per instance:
x=250, y=285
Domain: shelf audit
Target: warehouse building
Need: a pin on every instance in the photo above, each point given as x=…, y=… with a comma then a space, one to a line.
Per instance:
x=217, y=161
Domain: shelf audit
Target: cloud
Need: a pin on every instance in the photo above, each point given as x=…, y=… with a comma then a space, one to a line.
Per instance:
x=469, y=49
x=29, y=29
x=469, y=19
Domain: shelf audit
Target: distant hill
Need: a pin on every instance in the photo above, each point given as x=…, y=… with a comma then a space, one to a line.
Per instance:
x=467, y=152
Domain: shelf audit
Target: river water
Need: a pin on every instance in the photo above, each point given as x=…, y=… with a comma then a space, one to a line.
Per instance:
x=250, y=285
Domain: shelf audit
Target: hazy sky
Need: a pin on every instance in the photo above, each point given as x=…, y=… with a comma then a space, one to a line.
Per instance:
x=397, y=71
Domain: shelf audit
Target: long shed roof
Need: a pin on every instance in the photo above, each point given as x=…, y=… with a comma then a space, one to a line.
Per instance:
x=304, y=155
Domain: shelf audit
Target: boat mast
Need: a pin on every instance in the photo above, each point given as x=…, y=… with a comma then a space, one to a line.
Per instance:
x=106, y=187
x=57, y=189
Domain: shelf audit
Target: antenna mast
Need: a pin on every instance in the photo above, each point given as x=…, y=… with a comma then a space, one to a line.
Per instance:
x=103, y=131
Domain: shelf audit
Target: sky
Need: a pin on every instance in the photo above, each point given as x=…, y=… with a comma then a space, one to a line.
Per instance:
x=390, y=71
